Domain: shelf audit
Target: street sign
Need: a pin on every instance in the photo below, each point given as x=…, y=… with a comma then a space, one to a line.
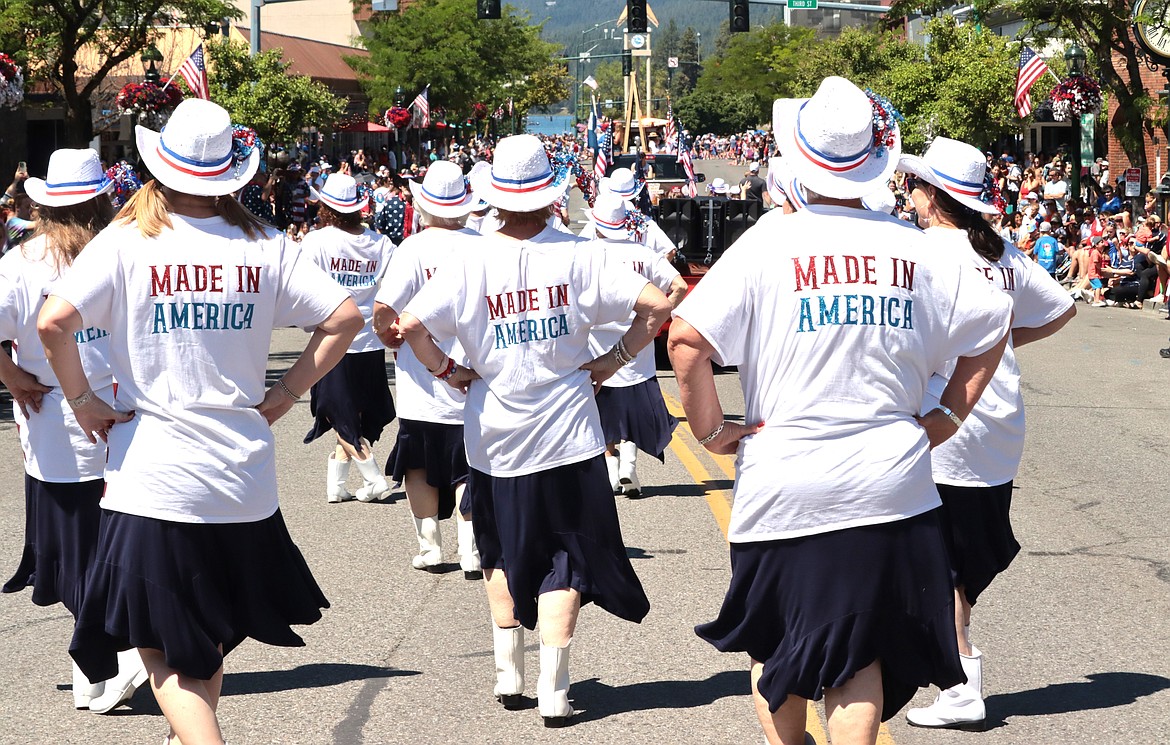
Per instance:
x=802, y=4
x=1133, y=182
x=672, y=61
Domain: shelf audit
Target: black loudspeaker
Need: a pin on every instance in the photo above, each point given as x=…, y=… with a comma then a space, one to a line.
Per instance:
x=739, y=215
x=679, y=219
x=709, y=246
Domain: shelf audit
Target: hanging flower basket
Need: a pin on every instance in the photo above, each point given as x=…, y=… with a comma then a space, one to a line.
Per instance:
x=1075, y=95
x=398, y=117
x=479, y=111
x=147, y=98
x=11, y=82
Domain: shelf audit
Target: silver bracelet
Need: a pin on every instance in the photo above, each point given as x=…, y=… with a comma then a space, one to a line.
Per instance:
x=82, y=400
x=950, y=415
x=287, y=392
x=621, y=354
x=711, y=437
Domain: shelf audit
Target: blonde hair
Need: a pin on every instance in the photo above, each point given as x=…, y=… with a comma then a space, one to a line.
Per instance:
x=68, y=229
x=434, y=221
x=150, y=210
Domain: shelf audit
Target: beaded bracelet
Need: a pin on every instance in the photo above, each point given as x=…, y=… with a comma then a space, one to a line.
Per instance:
x=711, y=437
x=286, y=390
x=448, y=371
x=621, y=354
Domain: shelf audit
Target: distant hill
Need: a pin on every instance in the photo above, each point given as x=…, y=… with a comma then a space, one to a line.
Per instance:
x=568, y=18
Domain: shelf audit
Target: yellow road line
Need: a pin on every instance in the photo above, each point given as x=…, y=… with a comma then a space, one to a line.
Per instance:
x=719, y=500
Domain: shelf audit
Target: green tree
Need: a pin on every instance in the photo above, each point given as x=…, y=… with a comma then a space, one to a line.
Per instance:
x=546, y=86
x=440, y=43
x=259, y=92
x=704, y=110
x=1102, y=28
x=765, y=64
x=55, y=37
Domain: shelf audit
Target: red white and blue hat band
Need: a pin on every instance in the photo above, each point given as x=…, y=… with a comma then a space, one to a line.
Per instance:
x=452, y=201
x=75, y=188
x=524, y=185
x=626, y=192
x=952, y=184
x=200, y=168
x=607, y=224
x=333, y=201
x=834, y=163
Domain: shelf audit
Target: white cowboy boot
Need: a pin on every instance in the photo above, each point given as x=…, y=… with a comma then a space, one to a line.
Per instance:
x=611, y=465
x=960, y=707
x=83, y=690
x=627, y=469
x=121, y=687
x=430, y=544
x=509, y=650
x=552, y=688
x=468, y=551
x=375, y=486
x=335, y=490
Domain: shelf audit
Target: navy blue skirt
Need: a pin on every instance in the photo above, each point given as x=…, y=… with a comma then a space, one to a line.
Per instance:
x=977, y=527
x=60, y=536
x=188, y=588
x=555, y=530
x=637, y=414
x=818, y=609
x=436, y=449
x=353, y=398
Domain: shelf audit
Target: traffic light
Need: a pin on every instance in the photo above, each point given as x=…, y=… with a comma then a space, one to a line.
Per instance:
x=740, y=22
x=627, y=63
x=636, y=16
x=486, y=10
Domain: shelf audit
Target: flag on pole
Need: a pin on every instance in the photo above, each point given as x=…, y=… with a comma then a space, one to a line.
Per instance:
x=422, y=110
x=1031, y=69
x=590, y=81
x=670, y=132
x=602, y=156
x=194, y=71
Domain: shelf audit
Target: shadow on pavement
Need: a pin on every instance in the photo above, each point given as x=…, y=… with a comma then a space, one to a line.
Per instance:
x=319, y=675
x=1100, y=691
x=685, y=490
x=596, y=700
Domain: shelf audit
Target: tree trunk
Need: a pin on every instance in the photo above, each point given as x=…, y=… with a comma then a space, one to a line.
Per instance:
x=78, y=122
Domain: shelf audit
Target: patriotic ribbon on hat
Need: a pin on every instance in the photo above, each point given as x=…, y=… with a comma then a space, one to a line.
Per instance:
x=834, y=163
x=523, y=185
x=451, y=201
x=886, y=120
x=958, y=186
x=74, y=188
x=244, y=141
x=333, y=201
x=191, y=166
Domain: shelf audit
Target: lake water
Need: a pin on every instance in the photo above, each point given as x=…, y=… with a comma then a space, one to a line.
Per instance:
x=550, y=125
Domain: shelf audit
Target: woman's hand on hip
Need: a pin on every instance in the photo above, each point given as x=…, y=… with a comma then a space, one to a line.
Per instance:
x=97, y=417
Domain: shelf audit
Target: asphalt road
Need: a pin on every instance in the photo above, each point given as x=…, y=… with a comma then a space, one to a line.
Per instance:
x=1073, y=634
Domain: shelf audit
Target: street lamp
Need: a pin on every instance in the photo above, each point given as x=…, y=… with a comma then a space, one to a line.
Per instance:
x=150, y=55
x=1074, y=57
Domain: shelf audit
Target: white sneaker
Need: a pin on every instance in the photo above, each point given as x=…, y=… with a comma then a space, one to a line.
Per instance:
x=960, y=708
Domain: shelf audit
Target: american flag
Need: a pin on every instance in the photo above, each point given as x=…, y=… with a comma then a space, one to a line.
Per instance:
x=684, y=158
x=1032, y=68
x=194, y=71
x=601, y=157
x=422, y=109
x=670, y=132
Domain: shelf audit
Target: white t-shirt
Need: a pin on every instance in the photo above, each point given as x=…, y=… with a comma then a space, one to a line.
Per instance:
x=55, y=449
x=987, y=449
x=190, y=315
x=658, y=272
x=421, y=396
x=522, y=311
x=357, y=263
x=836, y=318
x=654, y=237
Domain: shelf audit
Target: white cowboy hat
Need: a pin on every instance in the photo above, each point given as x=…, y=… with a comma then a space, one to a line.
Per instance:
x=443, y=191
x=521, y=178
x=954, y=167
x=718, y=186
x=783, y=186
x=833, y=141
x=623, y=183
x=881, y=200
x=193, y=153
x=339, y=193
x=74, y=176
x=609, y=218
